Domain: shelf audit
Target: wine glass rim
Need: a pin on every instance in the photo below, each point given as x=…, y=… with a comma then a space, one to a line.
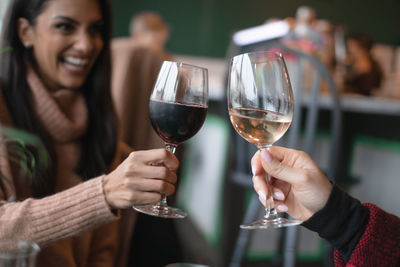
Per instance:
x=278, y=54
x=186, y=64
x=181, y=103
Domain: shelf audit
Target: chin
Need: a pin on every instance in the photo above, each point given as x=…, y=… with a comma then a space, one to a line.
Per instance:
x=73, y=85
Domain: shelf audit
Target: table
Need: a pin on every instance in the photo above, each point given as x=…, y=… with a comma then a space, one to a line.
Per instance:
x=373, y=118
x=361, y=104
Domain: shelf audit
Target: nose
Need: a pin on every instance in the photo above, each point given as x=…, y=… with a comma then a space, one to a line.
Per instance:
x=84, y=42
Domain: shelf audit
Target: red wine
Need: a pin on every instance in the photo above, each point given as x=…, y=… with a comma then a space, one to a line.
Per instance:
x=258, y=126
x=175, y=123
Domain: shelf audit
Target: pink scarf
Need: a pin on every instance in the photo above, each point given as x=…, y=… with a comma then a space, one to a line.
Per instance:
x=63, y=112
x=64, y=115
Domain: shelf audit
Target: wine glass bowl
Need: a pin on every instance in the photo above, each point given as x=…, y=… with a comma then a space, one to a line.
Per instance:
x=177, y=108
x=261, y=104
x=176, y=122
x=259, y=127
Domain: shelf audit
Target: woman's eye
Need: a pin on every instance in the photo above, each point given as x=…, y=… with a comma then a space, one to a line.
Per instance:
x=65, y=27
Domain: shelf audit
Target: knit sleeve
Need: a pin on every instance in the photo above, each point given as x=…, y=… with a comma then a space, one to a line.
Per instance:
x=342, y=221
x=68, y=213
x=380, y=243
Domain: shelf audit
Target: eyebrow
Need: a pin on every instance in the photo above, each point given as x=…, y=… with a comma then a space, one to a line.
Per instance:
x=71, y=20
x=66, y=18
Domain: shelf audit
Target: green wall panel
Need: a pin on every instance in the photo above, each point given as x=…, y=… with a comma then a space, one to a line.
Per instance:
x=204, y=27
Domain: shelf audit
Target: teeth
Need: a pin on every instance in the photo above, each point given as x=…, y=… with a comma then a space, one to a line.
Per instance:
x=75, y=61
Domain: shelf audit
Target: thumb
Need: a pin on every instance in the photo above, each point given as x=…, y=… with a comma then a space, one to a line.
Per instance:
x=277, y=169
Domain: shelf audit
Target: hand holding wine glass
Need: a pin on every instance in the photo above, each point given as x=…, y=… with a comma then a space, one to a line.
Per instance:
x=260, y=102
x=303, y=188
x=178, y=107
x=135, y=182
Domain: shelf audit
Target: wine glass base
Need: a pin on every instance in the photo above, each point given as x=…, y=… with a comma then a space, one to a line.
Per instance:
x=270, y=224
x=161, y=211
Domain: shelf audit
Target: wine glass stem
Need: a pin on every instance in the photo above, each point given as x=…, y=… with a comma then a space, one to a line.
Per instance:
x=270, y=212
x=163, y=203
x=171, y=148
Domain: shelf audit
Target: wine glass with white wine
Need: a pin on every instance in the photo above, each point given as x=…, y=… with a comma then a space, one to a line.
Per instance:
x=260, y=103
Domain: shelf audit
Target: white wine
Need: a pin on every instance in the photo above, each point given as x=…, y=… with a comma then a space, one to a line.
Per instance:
x=259, y=127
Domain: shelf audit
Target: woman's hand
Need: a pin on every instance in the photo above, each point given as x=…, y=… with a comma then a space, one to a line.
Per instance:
x=299, y=187
x=142, y=178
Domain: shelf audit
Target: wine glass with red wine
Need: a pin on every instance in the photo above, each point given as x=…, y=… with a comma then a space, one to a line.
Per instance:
x=260, y=103
x=178, y=107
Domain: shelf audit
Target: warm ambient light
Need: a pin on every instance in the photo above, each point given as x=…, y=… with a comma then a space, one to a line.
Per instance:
x=261, y=33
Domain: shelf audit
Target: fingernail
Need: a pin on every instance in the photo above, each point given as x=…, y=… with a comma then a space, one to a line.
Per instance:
x=279, y=196
x=267, y=157
x=262, y=195
x=282, y=208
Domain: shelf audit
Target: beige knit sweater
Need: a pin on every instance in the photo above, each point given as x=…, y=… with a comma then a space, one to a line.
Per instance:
x=62, y=224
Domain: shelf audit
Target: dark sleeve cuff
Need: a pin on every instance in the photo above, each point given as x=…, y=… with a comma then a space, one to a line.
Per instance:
x=342, y=221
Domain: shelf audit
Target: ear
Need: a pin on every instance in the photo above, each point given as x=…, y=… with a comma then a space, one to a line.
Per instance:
x=25, y=32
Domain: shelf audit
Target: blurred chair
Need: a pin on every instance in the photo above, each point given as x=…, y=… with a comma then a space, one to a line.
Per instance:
x=307, y=100
x=134, y=72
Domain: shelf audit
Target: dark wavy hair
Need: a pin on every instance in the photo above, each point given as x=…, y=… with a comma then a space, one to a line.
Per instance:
x=100, y=141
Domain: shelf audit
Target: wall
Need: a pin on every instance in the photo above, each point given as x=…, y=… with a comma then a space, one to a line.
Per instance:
x=203, y=27
x=3, y=7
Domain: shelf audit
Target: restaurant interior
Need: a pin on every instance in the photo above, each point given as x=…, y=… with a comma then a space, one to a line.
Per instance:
x=356, y=139
x=348, y=122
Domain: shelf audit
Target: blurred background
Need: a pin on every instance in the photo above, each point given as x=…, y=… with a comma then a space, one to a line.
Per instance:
x=204, y=28
x=342, y=35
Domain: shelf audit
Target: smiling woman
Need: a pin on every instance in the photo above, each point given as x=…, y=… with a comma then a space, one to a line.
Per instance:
x=65, y=43
x=55, y=84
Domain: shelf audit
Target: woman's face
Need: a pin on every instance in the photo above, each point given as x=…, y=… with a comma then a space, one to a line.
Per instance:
x=66, y=41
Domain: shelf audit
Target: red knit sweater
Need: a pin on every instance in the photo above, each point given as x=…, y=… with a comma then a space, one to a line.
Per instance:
x=380, y=243
x=362, y=234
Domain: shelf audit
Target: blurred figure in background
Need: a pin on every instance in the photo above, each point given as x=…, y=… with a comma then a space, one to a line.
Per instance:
x=148, y=29
x=363, y=74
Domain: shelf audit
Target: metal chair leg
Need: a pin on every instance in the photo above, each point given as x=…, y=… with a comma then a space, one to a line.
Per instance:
x=244, y=235
x=289, y=251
